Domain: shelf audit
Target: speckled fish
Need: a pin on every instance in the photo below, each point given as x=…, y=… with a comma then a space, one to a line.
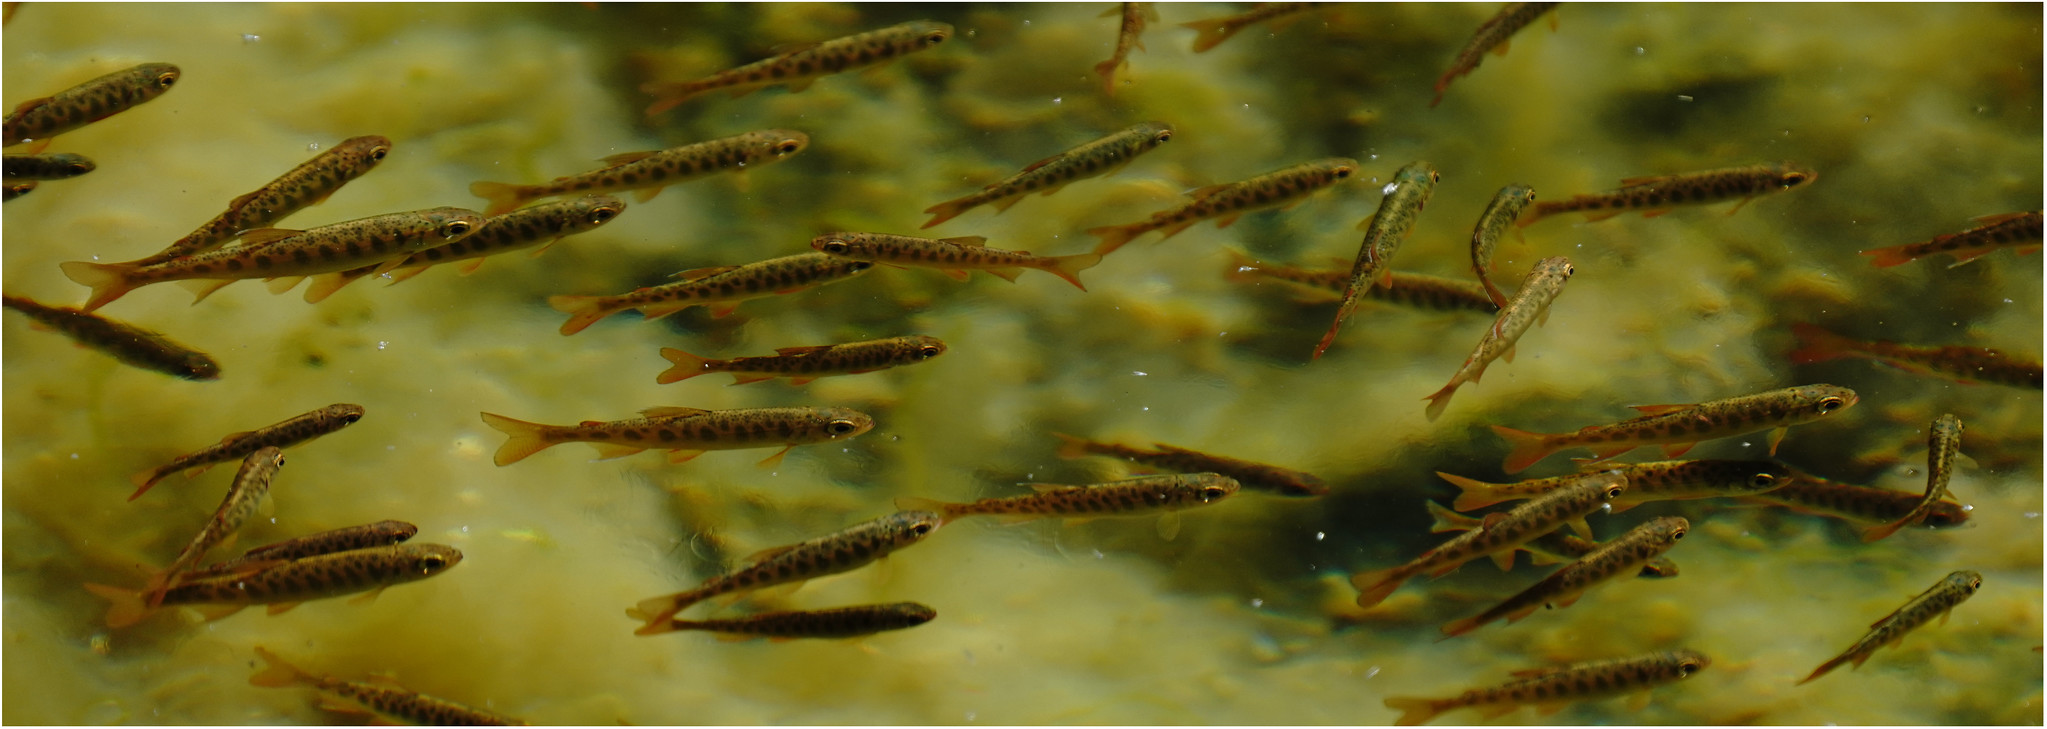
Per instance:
x=685, y=432
x=1214, y=31
x=540, y=225
x=1679, y=427
x=1656, y=195
x=842, y=551
x=248, y=490
x=1961, y=364
x=57, y=166
x=380, y=534
x=1653, y=481
x=132, y=345
x=844, y=622
x=1413, y=290
x=15, y=190
x=387, y=701
x=1130, y=35
x=803, y=364
x=1943, y=445
x=1936, y=601
x=285, y=257
x=1991, y=234
x=953, y=256
x=1550, y=548
x=1248, y=474
x=651, y=172
x=1530, y=304
x=41, y=118
x=1493, y=36
x=1128, y=497
x=1049, y=175
x=1499, y=535
x=1404, y=199
x=284, y=585
x=721, y=288
x=1810, y=494
x=1498, y=217
x=306, y=185
x=1283, y=188
x=1622, y=556
x=798, y=67
x=1551, y=689
x=235, y=446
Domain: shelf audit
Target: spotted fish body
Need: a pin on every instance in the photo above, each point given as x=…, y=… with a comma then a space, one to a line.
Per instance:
x=1413, y=290
x=1498, y=217
x=1935, y=602
x=720, y=288
x=1384, y=231
x=1552, y=688
x=1128, y=497
x=650, y=172
x=685, y=432
x=1248, y=474
x=1229, y=201
x=1647, y=482
x=954, y=256
x=1551, y=548
x=132, y=345
x=1500, y=535
x=248, y=490
x=1962, y=364
x=843, y=551
x=1657, y=195
x=1049, y=175
x=1991, y=234
x=798, y=68
x=803, y=364
x=389, y=702
x=1620, y=557
x=1810, y=494
x=844, y=622
x=42, y=118
x=1491, y=36
x=1679, y=427
x=540, y=225
x=15, y=190
x=1214, y=31
x=283, y=586
x=306, y=185
x=380, y=534
x=58, y=166
x=1530, y=303
x=1129, y=35
x=1943, y=445
x=236, y=446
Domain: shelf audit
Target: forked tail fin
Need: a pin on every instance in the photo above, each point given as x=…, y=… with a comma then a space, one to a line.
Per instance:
x=525, y=438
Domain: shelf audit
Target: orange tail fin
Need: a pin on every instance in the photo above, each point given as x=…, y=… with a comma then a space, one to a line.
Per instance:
x=1818, y=345
x=582, y=310
x=668, y=96
x=278, y=674
x=1069, y=267
x=1439, y=401
x=1212, y=33
x=1892, y=256
x=951, y=209
x=1528, y=448
x=127, y=606
x=1413, y=712
x=503, y=197
x=525, y=438
x=1477, y=494
x=1116, y=236
x=1375, y=586
x=1071, y=447
x=686, y=366
x=109, y=281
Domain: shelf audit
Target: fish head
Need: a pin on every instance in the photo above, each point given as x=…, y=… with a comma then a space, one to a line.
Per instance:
x=1822, y=400
x=372, y=148
x=836, y=423
x=393, y=531
x=1667, y=530
x=73, y=164
x=775, y=145
x=1301, y=484
x=923, y=347
x=342, y=413
x=159, y=77
x=916, y=613
x=1755, y=477
x=1967, y=581
x=841, y=244
x=1418, y=172
x=427, y=560
x=1201, y=488
x=907, y=527
x=1793, y=174
x=1155, y=133
x=1339, y=167
x=1606, y=485
x=926, y=33
x=447, y=225
x=1557, y=266
x=1687, y=662
x=589, y=212
x=196, y=366
x=1946, y=514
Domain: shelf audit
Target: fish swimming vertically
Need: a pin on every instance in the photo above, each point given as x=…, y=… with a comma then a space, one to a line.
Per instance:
x=1128, y=497
x=1320, y=285
x=304, y=186
x=1530, y=304
x=1129, y=35
x=803, y=364
x=384, y=699
x=651, y=172
x=1961, y=364
x=1679, y=427
x=283, y=585
x=1499, y=535
x=1621, y=556
x=1498, y=217
x=41, y=118
x=1657, y=194
x=1551, y=689
x=1213, y=31
x=845, y=550
x=1282, y=188
x=1811, y=494
x=1936, y=601
x=1049, y=175
x=1992, y=233
x=720, y=287
x=58, y=166
x=1492, y=35
x=1404, y=199
x=1943, y=446
x=250, y=487
x=285, y=434
x=797, y=68
x=1652, y=481
x=685, y=432
x=381, y=534
x=954, y=256
x=1551, y=548
x=1248, y=474
x=540, y=225
x=132, y=345
x=841, y=622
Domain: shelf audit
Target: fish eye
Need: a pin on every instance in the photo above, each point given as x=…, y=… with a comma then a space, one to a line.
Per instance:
x=1531, y=196
x=602, y=215
x=433, y=562
x=1343, y=171
x=1830, y=404
x=166, y=79
x=921, y=529
x=351, y=417
x=1677, y=534
x=1163, y=136
x=934, y=37
x=455, y=228
x=1793, y=179
x=1613, y=493
x=1569, y=269
x=1762, y=480
x=862, y=265
x=378, y=153
x=80, y=168
x=930, y=350
x=1212, y=493
x=1688, y=668
x=1435, y=176
x=835, y=246
x=840, y=427
x=788, y=146
x=280, y=459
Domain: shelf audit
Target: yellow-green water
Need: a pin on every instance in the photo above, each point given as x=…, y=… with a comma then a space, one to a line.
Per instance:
x=1918, y=117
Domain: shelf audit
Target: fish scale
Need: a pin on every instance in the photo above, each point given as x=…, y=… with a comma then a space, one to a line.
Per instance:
x=1414, y=290
x=306, y=185
x=1943, y=446
x=1810, y=494
x=1964, y=364
x=42, y=118
x=250, y=486
x=1622, y=556
x=1248, y=474
x=384, y=698
x=130, y=344
x=1551, y=688
x=523, y=228
x=63, y=165
x=1279, y=188
x=800, y=67
x=1093, y=159
x=685, y=432
x=1492, y=35
x=1498, y=217
x=721, y=288
x=1657, y=194
x=1128, y=497
x=1649, y=481
x=1401, y=204
x=380, y=534
x=1499, y=535
x=1553, y=547
x=284, y=434
x=803, y=364
x=1679, y=427
x=954, y=256
x=842, y=622
x=1213, y=31
x=283, y=585
x=650, y=172
x=1993, y=232
x=1530, y=304
x=842, y=551
x=1936, y=601
x=1129, y=34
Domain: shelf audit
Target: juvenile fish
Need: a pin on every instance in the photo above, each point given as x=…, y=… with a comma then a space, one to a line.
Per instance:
x=721, y=288
x=283, y=586
x=1550, y=689
x=1214, y=31
x=1991, y=234
x=1413, y=290
x=1128, y=497
x=1810, y=494
x=1499, y=535
x=539, y=225
x=1656, y=195
x=1550, y=548
x=1282, y=188
x=1891, y=629
x=1249, y=474
x=799, y=67
x=842, y=551
x=1098, y=158
x=1943, y=445
x=1653, y=481
x=1679, y=427
x=235, y=446
x=62, y=165
x=1622, y=556
x=306, y=185
x=1961, y=364
x=284, y=257
x=685, y=432
x=953, y=256
x=15, y=190
x=132, y=345
x=250, y=487
x=1499, y=215
x=389, y=702
x=803, y=364
x=380, y=534
x=1389, y=225
x=1530, y=304
x=1493, y=36
x=1129, y=36
x=651, y=172
x=41, y=118
x=845, y=622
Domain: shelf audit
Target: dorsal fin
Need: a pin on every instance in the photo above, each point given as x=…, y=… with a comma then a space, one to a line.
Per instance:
x=1053, y=158
x=1632, y=181
x=1661, y=409
x=23, y=107
x=972, y=241
x=785, y=49
x=765, y=554
x=1050, y=487
x=666, y=411
x=1204, y=193
x=626, y=158
x=260, y=236
x=794, y=351
x=697, y=273
x=1997, y=218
